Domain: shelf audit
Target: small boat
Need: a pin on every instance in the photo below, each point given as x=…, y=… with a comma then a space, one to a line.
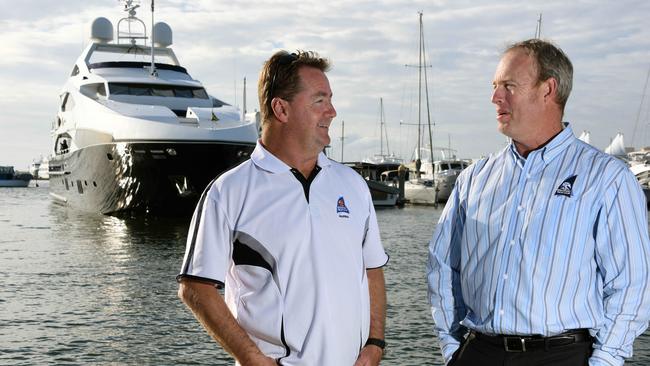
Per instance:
x=11, y=178
x=134, y=131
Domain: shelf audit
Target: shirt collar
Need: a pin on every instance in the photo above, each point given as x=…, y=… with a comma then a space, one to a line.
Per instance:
x=269, y=162
x=549, y=151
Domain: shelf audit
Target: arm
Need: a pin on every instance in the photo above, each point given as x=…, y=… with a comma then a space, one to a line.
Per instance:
x=445, y=297
x=210, y=310
x=622, y=255
x=370, y=354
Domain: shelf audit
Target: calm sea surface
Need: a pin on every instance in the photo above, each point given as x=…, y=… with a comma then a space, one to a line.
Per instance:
x=79, y=289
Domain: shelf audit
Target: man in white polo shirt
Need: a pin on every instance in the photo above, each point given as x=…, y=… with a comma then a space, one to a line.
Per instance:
x=292, y=236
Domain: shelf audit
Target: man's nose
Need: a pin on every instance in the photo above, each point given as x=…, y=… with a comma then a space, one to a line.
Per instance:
x=497, y=95
x=331, y=111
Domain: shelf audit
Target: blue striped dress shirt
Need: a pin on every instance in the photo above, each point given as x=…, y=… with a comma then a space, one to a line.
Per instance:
x=541, y=245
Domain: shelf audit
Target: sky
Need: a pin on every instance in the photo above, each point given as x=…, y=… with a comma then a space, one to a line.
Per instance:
x=369, y=44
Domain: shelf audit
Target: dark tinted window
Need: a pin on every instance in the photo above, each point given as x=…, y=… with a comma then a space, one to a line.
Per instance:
x=157, y=90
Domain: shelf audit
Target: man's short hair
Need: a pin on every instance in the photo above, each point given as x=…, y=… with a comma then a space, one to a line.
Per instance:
x=551, y=62
x=279, y=77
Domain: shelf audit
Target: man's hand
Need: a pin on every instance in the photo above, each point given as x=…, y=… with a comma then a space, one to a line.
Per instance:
x=370, y=356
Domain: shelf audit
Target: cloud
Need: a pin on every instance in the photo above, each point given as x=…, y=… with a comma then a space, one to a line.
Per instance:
x=369, y=42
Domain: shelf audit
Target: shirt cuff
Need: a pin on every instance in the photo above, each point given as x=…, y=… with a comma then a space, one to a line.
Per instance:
x=448, y=345
x=602, y=358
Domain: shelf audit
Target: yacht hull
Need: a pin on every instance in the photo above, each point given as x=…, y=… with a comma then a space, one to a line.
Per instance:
x=428, y=193
x=165, y=178
x=13, y=183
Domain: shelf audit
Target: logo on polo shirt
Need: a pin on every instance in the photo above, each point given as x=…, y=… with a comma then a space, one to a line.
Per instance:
x=566, y=187
x=341, y=208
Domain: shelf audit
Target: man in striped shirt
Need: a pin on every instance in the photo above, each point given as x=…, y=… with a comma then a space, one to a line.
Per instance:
x=541, y=254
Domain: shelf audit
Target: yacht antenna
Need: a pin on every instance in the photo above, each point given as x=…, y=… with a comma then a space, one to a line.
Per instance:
x=153, y=72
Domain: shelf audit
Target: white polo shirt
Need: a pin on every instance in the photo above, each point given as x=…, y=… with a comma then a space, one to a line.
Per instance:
x=294, y=268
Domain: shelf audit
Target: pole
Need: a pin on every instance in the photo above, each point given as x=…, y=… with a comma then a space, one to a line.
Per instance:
x=342, y=137
x=153, y=65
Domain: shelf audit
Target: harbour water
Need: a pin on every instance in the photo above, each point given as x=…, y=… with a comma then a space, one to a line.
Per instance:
x=81, y=289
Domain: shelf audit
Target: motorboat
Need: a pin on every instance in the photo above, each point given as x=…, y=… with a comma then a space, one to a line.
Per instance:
x=134, y=131
x=11, y=178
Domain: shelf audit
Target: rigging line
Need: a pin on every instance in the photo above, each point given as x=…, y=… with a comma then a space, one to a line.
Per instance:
x=638, y=113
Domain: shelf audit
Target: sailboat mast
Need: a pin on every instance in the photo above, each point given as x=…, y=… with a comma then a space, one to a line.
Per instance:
x=381, y=127
x=418, y=161
x=426, y=89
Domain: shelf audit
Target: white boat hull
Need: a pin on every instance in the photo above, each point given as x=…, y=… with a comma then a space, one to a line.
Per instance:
x=165, y=178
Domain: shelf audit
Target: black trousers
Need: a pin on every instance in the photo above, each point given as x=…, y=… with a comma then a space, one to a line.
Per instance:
x=476, y=352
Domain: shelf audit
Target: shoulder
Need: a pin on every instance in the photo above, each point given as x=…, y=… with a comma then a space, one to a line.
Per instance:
x=345, y=172
x=609, y=167
x=229, y=180
x=483, y=164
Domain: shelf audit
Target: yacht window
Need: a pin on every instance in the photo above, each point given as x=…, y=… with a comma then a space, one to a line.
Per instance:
x=68, y=102
x=75, y=71
x=162, y=92
x=183, y=93
x=157, y=90
x=118, y=89
x=457, y=166
x=200, y=93
x=139, y=90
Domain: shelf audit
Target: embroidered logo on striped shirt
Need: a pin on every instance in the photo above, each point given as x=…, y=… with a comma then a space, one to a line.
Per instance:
x=566, y=188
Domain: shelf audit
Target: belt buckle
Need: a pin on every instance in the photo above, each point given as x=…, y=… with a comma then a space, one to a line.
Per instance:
x=514, y=344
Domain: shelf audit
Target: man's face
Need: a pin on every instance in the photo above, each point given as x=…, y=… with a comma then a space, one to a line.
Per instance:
x=311, y=110
x=517, y=96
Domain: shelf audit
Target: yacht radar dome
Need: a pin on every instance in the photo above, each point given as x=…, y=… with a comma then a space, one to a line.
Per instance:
x=101, y=30
x=162, y=35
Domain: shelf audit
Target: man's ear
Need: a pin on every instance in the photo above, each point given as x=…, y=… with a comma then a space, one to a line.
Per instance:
x=550, y=89
x=280, y=109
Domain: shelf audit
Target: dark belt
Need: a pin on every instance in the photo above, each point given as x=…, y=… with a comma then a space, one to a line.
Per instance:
x=536, y=342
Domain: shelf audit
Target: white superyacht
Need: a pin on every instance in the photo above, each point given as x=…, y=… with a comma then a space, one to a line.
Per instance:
x=134, y=131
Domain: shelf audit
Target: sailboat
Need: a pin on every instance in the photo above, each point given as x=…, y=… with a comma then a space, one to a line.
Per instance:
x=431, y=180
x=380, y=170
